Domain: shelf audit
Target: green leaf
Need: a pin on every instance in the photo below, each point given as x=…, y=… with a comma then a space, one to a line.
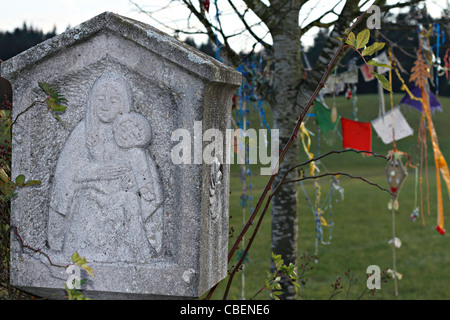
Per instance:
x=20, y=180
x=351, y=40
x=373, y=48
x=59, y=119
x=81, y=261
x=76, y=258
x=59, y=108
x=45, y=87
x=33, y=183
x=88, y=269
x=276, y=294
x=362, y=38
x=384, y=82
x=55, y=99
x=51, y=92
x=3, y=175
x=377, y=63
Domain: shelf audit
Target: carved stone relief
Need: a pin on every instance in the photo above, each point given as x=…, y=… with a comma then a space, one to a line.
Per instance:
x=214, y=190
x=107, y=200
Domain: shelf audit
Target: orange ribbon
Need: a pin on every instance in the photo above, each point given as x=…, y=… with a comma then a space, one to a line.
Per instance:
x=439, y=160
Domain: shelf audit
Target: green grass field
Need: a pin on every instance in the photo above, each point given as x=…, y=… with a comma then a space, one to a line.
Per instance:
x=362, y=221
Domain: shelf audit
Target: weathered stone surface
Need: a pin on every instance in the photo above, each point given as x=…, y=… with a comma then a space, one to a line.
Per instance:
x=149, y=228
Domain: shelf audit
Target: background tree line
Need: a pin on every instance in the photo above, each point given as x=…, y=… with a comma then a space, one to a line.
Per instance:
x=21, y=39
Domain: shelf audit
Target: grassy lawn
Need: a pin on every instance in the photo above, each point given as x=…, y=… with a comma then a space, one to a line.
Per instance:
x=362, y=221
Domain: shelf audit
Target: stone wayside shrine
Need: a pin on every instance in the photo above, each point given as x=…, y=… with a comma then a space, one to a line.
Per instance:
x=148, y=227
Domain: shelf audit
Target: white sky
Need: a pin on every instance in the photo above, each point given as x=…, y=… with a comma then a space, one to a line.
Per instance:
x=47, y=14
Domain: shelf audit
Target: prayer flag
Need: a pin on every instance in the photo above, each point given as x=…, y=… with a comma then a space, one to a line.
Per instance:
x=333, y=85
x=350, y=76
x=434, y=102
x=392, y=125
x=366, y=72
x=324, y=119
x=356, y=135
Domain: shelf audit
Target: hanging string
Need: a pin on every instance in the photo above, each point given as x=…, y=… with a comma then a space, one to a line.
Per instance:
x=394, y=150
x=218, y=43
x=440, y=162
x=355, y=99
x=447, y=64
x=440, y=40
x=247, y=97
x=422, y=145
x=391, y=96
x=319, y=213
x=393, y=251
x=318, y=209
x=422, y=141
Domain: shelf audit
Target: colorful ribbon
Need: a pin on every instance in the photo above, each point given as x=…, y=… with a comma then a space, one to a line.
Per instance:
x=306, y=146
x=439, y=160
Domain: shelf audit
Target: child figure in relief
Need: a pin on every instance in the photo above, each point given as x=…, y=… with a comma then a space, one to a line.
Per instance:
x=107, y=197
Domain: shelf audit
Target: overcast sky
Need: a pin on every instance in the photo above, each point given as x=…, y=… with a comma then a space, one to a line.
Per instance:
x=47, y=14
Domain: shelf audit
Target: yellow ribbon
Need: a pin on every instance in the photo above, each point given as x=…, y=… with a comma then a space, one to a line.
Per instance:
x=306, y=147
x=312, y=169
x=405, y=87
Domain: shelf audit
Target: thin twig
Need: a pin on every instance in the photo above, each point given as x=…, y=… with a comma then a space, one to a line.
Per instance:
x=31, y=106
x=325, y=155
x=23, y=245
x=247, y=248
x=343, y=174
x=248, y=27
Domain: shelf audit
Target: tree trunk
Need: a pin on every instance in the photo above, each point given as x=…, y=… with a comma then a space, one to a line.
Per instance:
x=290, y=98
x=287, y=77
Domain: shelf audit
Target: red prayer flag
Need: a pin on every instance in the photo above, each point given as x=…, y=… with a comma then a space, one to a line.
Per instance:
x=356, y=135
x=366, y=72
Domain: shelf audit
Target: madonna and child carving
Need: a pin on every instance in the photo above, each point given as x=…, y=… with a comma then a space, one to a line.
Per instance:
x=107, y=200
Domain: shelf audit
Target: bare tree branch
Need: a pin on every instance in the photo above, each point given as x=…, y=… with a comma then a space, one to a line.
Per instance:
x=399, y=5
x=150, y=15
x=317, y=23
x=326, y=155
x=247, y=27
x=342, y=174
x=260, y=9
x=232, y=55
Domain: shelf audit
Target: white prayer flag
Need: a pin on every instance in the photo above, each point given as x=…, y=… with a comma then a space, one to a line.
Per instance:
x=383, y=126
x=333, y=85
x=350, y=76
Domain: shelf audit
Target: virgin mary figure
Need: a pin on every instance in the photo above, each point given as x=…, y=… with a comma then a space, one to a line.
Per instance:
x=106, y=199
